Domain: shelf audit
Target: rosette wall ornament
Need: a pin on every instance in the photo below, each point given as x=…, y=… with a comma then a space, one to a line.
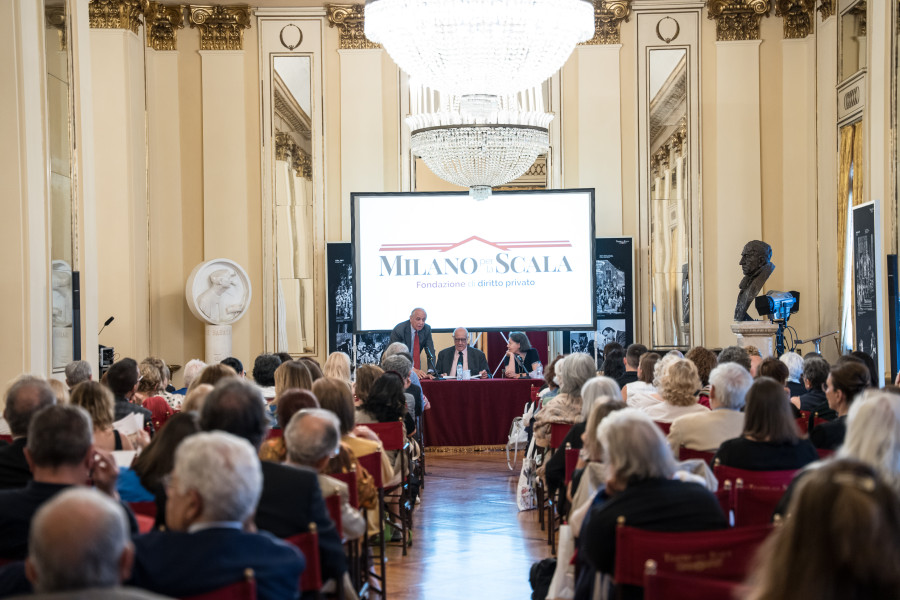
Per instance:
x=471, y=121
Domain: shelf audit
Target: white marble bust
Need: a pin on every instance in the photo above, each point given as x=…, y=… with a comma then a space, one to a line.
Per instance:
x=218, y=291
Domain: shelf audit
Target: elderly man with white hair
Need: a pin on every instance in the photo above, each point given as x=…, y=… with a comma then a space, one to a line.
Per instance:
x=191, y=371
x=313, y=437
x=212, y=494
x=705, y=431
x=80, y=547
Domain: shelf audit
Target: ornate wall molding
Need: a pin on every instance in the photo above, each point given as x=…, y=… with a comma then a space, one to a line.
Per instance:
x=163, y=23
x=798, y=17
x=608, y=16
x=115, y=14
x=350, y=19
x=737, y=19
x=221, y=27
x=826, y=8
x=283, y=146
x=302, y=163
x=56, y=19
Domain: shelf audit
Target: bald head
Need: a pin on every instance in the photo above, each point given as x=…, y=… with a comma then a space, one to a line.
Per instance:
x=79, y=540
x=24, y=398
x=417, y=318
x=313, y=437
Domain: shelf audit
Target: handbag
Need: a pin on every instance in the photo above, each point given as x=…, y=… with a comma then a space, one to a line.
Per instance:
x=517, y=435
x=525, y=489
x=562, y=586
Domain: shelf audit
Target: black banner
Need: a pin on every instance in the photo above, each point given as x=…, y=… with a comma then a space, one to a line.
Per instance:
x=865, y=283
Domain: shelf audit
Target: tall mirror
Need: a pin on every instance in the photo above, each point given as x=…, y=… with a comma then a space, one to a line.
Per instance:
x=669, y=188
x=61, y=213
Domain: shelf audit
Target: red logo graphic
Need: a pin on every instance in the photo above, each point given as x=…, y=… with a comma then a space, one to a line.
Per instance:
x=475, y=238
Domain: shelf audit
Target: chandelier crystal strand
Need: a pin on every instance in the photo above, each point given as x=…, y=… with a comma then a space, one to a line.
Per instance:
x=492, y=47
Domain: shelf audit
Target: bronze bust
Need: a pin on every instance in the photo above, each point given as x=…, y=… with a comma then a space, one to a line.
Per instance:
x=756, y=263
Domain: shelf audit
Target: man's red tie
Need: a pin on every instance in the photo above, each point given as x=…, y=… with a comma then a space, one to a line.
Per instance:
x=416, y=351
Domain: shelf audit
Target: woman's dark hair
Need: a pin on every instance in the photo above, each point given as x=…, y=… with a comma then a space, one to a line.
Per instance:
x=705, y=360
x=612, y=346
x=213, y=374
x=284, y=357
x=366, y=376
x=850, y=377
x=774, y=368
x=768, y=416
x=291, y=402
x=386, y=402
x=334, y=394
x=315, y=369
x=647, y=366
x=550, y=372
x=521, y=339
x=614, y=364
x=870, y=364
x=264, y=369
x=158, y=458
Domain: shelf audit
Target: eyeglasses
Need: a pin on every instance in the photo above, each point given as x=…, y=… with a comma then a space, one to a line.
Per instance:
x=456, y=339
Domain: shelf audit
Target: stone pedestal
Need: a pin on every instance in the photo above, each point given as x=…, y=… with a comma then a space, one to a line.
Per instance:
x=218, y=343
x=62, y=346
x=756, y=333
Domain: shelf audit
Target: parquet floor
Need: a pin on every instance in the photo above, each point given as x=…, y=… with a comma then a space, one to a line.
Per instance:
x=469, y=539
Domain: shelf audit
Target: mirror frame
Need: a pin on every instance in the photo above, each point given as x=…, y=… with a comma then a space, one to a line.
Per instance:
x=270, y=23
x=687, y=37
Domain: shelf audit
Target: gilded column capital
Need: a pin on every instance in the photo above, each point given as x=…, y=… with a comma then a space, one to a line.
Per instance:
x=221, y=27
x=163, y=23
x=284, y=146
x=350, y=19
x=116, y=14
x=56, y=19
x=737, y=19
x=302, y=163
x=608, y=16
x=798, y=17
x=826, y=8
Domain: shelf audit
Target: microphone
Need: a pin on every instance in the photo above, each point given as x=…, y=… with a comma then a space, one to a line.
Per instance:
x=108, y=321
x=430, y=355
x=521, y=362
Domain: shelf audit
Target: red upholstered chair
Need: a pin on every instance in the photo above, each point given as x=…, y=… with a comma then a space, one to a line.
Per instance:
x=824, y=453
x=333, y=504
x=372, y=464
x=688, y=454
x=754, y=493
x=666, y=586
x=356, y=559
x=6, y=438
x=558, y=433
x=308, y=543
x=160, y=411
x=664, y=427
x=274, y=433
x=803, y=422
x=350, y=480
x=145, y=514
x=719, y=554
x=241, y=590
x=392, y=438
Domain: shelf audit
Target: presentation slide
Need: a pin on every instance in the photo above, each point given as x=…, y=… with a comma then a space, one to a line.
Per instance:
x=518, y=260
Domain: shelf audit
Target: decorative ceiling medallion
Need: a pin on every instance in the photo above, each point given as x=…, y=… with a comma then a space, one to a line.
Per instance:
x=608, y=16
x=737, y=19
x=115, y=14
x=290, y=36
x=798, y=17
x=163, y=23
x=667, y=31
x=350, y=21
x=221, y=27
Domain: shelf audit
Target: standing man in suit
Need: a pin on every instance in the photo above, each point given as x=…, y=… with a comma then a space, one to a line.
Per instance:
x=473, y=359
x=404, y=331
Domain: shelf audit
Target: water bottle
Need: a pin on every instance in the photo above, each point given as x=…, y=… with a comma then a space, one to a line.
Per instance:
x=539, y=372
x=459, y=371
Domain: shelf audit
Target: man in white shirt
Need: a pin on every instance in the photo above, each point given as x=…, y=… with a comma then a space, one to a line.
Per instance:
x=707, y=430
x=473, y=359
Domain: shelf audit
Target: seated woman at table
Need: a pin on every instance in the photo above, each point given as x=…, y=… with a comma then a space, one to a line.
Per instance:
x=520, y=357
x=573, y=371
x=770, y=441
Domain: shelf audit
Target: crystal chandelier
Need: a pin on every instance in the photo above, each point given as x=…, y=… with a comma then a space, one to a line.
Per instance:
x=478, y=141
x=494, y=47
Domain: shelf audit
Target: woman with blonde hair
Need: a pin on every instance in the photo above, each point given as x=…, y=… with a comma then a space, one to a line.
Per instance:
x=337, y=365
x=98, y=401
x=678, y=387
x=574, y=371
x=291, y=375
x=212, y=374
x=150, y=383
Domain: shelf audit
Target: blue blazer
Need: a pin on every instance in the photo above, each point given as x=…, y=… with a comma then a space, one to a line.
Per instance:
x=179, y=564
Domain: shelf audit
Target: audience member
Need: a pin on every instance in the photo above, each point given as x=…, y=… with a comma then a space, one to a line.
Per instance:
x=867, y=360
x=313, y=438
x=678, y=387
x=402, y=365
x=166, y=389
x=551, y=380
x=770, y=441
x=755, y=359
x=80, y=547
x=794, y=363
x=632, y=360
x=705, y=361
x=289, y=403
x=122, y=379
x=160, y=411
x=214, y=487
x=845, y=382
x=60, y=390
x=395, y=348
x=191, y=370
x=735, y=354
x=614, y=364
x=264, y=374
x=97, y=400
x=291, y=375
x=366, y=376
x=196, y=397
x=60, y=454
x=840, y=539
x=650, y=395
x=644, y=384
x=235, y=364
x=315, y=370
x=815, y=374
x=337, y=365
x=212, y=375
x=150, y=382
x=25, y=397
x=291, y=498
x=775, y=369
x=78, y=371
x=641, y=490
x=728, y=385
x=573, y=373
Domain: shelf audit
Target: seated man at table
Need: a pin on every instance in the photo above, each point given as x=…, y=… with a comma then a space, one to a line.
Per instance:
x=473, y=359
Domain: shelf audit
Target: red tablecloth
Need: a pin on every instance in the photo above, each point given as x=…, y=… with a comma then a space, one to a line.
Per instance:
x=474, y=412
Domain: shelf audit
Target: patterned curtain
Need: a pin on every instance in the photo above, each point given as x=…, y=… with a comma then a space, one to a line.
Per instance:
x=850, y=188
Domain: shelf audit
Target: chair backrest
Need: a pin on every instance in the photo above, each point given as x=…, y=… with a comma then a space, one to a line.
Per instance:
x=333, y=504
x=143, y=508
x=824, y=452
x=688, y=454
x=274, y=432
x=754, y=505
x=390, y=434
x=308, y=543
x=719, y=554
x=533, y=394
x=352, y=490
x=571, y=461
x=666, y=586
x=664, y=427
x=755, y=479
x=372, y=464
x=240, y=590
x=723, y=495
x=6, y=438
x=558, y=432
x=803, y=422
